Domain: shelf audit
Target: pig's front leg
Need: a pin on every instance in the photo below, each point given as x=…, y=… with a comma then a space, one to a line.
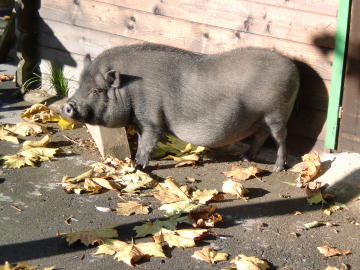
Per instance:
x=147, y=140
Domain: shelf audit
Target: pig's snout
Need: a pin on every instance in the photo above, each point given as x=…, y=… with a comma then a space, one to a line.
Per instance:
x=68, y=110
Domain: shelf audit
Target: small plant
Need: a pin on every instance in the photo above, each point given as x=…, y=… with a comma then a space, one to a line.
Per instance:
x=58, y=80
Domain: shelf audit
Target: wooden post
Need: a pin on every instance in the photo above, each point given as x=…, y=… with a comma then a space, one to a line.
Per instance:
x=27, y=18
x=110, y=141
x=349, y=134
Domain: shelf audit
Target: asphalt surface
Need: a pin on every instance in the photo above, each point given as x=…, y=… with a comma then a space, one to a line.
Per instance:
x=264, y=226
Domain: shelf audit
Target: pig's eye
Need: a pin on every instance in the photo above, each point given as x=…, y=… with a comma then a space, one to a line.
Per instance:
x=96, y=91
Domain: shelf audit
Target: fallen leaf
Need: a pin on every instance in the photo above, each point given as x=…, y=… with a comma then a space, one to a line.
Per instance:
x=130, y=208
x=333, y=208
x=29, y=157
x=130, y=253
x=78, y=178
x=23, y=266
x=92, y=187
x=204, y=216
x=243, y=262
x=209, y=255
x=169, y=192
x=297, y=213
x=342, y=267
x=179, y=207
x=313, y=224
x=41, y=143
x=180, y=238
x=90, y=237
x=6, y=77
x=316, y=198
x=41, y=113
x=206, y=195
x=105, y=183
x=235, y=188
x=27, y=129
x=190, y=179
x=309, y=168
x=242, y=174
x=7, y=135
x=152, y=228
x=329, y=251
x=176, y=147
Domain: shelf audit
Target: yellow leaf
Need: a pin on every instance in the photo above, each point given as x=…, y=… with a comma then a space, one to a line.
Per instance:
x=179, y=207
x=41, y=143
x=34, y=109
x=91, y=187
x=243, y=262
x=209, y=255
x=329, y=251
x=130, y=253
x=206, y=195
x=90, y=237
x=17, y=161
x=309, y=168
x=27, y=129
x=204, y=216
x=78, y=178
x=333, y=208
x=108, y=184
x=65, y=123
x=235, y=188
x=129, y=208
x=23, y=266
x=242, y=174
x=180, y=238
x=169, y=192
x=7, y=135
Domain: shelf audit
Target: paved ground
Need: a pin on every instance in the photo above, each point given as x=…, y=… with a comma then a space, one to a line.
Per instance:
x=262, y=226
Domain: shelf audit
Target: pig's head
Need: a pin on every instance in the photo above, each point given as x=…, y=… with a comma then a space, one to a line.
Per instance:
x=101, y=98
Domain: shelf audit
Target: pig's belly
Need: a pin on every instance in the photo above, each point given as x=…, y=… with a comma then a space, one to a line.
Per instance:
x=212, y=137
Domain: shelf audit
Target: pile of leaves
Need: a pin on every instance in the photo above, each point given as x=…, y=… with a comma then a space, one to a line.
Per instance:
x=308, y=171
x=184, y=206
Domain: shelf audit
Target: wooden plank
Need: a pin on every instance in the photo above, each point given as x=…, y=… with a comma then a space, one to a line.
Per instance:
x=323, y=7
x=174, y=32
x=244, y=16
x=349, y=134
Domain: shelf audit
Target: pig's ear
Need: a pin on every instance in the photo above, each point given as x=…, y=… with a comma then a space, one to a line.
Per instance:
x=87, y=60
x=112, y=78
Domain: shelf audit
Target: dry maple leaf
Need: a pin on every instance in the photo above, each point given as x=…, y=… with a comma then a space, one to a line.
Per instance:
x=179, y=207
x=180, y=238
x=29, y=157
x=78, y=178
x=235, y=188
x=90, y=237
x=7, y=135
x=204, y=216
x=23, y=266
x=130, y=253
x=170, y=192
x=309, y=168
x=342, y=267
x=6, y=77
x=242, y=174
x=243, y=262
x=41, y=113
x=41, y=143
x=129, y=208
x=206, y=195
x=329, y=251
x=27, y=129
x=209, y=255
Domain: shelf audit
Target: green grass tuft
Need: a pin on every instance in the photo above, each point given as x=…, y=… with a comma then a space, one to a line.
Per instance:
x=58, y=80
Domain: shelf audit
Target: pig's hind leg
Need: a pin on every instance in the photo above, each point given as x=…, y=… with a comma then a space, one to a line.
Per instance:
x=277, y=127
x=258, y=139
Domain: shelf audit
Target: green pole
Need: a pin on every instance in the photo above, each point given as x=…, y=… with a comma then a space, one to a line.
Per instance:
x=337, y=74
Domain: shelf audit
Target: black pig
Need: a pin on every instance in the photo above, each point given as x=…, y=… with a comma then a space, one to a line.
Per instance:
x=209, y=100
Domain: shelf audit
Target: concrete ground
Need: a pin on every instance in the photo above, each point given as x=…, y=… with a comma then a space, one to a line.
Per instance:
x=264, y=226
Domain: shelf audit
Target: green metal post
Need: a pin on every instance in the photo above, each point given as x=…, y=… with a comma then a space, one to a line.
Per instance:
x=337, y=75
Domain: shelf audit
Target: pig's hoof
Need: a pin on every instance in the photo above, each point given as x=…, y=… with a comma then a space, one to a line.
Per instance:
x=278, y=168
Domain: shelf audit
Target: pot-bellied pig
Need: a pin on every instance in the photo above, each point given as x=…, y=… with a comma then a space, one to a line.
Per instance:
x=208, y=100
